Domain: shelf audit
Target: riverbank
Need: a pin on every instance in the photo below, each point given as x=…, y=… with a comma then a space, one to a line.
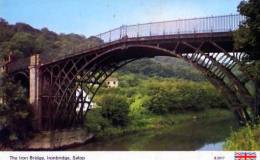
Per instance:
x=185, y=131
x=139, y=104
x=151, y=122
x=51, y=140
x=57, y=140
x=246, y=138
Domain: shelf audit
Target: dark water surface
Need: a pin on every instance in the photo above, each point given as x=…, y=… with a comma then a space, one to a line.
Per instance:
x=195, y=135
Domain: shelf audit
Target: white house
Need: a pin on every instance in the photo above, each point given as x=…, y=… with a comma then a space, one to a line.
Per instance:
x=111, y=82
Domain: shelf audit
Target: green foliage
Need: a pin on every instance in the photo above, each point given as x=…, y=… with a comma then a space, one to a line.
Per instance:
x=128, y=80
x=161, y=95
x=115, y=108
x=162, y=67
x=137, y=103
x=179, y=96
x=154, y=102
x=22, y=44
x=151, y=122
x=23, y=40
x=246, y=138
x=95, y=122
x=15, y=116
x=247, y=37
x=6, y=32
x=159, y=103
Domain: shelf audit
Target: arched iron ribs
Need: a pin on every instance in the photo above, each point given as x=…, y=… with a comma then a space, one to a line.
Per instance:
x=218, y=70
x=222, y=66
x=230, y=97
x=75, y=90
x=70, y=85
x=91, y=89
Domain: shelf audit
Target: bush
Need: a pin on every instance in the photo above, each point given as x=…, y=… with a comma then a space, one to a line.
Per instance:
x=244, y=139
x=159, y=103
x=177, y=96
x=15, y=115
x=95, y=122
x=115, y=108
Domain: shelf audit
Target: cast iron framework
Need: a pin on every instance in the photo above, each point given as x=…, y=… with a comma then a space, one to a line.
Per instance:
x=206, y=43
x=87, y=72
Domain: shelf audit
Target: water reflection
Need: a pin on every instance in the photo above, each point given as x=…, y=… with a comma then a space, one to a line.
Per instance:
x=212, y=147
x=199, y=135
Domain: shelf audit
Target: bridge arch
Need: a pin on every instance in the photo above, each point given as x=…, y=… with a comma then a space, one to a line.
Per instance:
x=22, y=78
x=86, y=73
x=57, y=84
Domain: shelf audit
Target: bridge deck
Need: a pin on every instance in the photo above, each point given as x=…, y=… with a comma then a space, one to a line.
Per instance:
x=196, y=29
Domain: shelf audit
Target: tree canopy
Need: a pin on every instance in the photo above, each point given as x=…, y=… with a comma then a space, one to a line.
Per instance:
x=22, y=40
x=247, y=37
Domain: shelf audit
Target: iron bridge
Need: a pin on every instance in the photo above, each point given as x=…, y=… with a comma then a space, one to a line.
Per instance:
x=60, y=88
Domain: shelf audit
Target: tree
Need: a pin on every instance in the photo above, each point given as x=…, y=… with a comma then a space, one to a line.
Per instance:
x=247, y=37
x=6, y=32
x=15, y=115
x=115, y=108
x=159, y=103
x=22, y=44
x=22, y=40
x=95, y=122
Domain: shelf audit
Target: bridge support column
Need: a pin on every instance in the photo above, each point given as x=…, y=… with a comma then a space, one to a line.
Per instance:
x=35, y=89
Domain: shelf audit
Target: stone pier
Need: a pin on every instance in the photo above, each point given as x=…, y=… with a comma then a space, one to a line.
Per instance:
x=35, y=89
x=53, y=140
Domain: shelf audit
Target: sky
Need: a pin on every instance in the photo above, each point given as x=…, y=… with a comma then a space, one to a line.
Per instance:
x=91, y=17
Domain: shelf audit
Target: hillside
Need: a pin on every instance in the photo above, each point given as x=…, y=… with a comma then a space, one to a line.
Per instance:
x=21, y=40
x=163, y=67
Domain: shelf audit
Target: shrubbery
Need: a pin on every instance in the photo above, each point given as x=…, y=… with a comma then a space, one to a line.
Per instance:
x=115, y=108
x=246, y=138
x=95, y=122
x=159, y=103
x=150, y=97
x=178, y=96
x=112, y=112
x=161, y=96
x=15, y=116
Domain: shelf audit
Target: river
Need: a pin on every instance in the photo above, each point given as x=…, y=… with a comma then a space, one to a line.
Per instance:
x=190, y=136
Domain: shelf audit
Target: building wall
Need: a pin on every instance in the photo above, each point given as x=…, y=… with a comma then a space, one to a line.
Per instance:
x=112, y=83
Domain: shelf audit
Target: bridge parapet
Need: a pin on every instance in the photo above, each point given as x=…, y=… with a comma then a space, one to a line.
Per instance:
x=224, y=23
x=214, y=26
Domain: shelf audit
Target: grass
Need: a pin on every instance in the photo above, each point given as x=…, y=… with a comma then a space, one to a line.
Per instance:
x=141, y=123
x=247, y=138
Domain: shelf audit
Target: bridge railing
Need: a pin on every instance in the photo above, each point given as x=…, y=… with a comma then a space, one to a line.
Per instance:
x=225, y=23
x=211, y=24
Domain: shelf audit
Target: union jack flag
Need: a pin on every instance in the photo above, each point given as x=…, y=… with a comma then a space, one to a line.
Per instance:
x=245, y=156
